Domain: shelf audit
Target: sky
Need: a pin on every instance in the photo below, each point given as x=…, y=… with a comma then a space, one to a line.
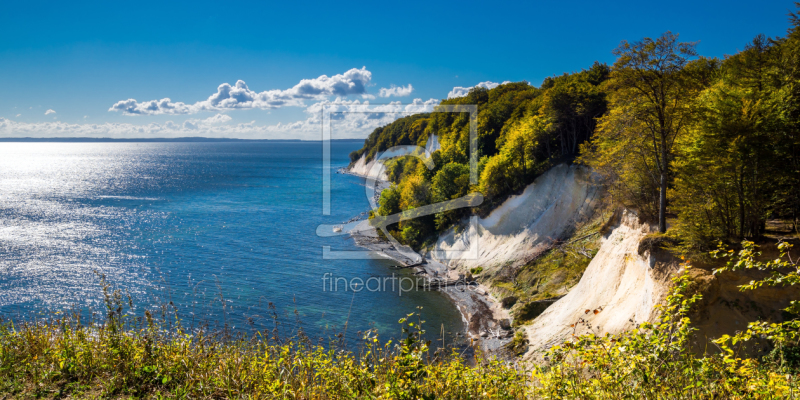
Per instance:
x=266, y=70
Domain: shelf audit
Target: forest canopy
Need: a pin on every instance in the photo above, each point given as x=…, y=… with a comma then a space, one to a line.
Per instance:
x=711, y=144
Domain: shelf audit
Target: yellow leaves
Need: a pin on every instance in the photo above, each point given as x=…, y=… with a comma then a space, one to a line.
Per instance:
x=414, y=192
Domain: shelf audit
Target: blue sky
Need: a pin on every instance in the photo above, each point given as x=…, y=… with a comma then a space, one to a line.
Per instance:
x=79, y=60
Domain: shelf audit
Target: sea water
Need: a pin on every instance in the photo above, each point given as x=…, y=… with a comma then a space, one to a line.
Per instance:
x=225, y=231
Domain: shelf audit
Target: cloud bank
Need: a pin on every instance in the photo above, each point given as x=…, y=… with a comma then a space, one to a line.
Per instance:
x=349, y=119
x=460, y=91
x=240, y=96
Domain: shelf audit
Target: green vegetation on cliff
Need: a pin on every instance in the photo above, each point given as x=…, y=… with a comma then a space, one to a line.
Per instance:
x=522, y=131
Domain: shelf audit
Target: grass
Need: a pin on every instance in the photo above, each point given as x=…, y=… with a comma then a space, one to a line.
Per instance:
x=127, y=356
x=60, y=359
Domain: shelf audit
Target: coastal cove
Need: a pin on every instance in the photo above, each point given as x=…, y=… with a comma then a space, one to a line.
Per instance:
x=225, y=231
x=487, y=323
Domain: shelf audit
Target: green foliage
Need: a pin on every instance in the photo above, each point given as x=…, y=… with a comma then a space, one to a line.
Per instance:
x=519, y=344
x=389, y=201
x=714, y=142
x=724, y=182
x=784, y=336
x=451, y=182
x=520, y=157
x=719, y=138
x=404, y=131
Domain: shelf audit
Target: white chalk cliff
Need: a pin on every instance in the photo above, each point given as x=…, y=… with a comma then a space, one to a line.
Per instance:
x=548, y=208
x=623, y=285
x=626, y=285
x=372, y=169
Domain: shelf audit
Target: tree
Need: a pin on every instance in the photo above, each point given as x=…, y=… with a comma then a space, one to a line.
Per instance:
x=573, y=104
x=414, y=192
x=650, y=107
x=451, y=182
x=389, y=202
x=728, y=179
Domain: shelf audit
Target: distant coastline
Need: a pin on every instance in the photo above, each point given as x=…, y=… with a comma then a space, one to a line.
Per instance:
x=158, y=140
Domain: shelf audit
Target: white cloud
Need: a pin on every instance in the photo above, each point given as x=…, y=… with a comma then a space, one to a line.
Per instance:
x=19, y=115
x=49, y=111
x=396, y=91
x=349, y=118
x=85, y=116
x=217, y=119
x=460, y=91
x=357, y=117
x=239, y=96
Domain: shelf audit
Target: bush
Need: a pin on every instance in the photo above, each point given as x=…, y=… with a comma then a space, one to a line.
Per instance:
x=509, y=301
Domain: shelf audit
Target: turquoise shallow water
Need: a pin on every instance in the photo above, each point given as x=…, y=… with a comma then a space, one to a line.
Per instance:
x=198, y=224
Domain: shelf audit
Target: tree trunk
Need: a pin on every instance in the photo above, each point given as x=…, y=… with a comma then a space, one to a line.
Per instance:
x=662, y=204
x=662, y=196
x=740, y=193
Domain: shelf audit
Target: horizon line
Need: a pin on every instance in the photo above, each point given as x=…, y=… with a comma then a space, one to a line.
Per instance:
x=189, y=139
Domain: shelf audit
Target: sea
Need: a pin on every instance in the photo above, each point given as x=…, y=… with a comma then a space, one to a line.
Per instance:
x=221, y=233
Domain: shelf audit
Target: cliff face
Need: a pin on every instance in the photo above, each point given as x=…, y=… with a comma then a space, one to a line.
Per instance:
x=372, y=169
x=620, y=284
x=377, y=170
x=625, y=281
x=548, y=210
